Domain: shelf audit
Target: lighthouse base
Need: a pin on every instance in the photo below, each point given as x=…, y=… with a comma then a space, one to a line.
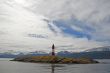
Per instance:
x=53, y=54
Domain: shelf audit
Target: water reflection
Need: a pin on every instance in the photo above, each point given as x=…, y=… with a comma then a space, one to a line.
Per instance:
x=57, y=67
x=52, y=68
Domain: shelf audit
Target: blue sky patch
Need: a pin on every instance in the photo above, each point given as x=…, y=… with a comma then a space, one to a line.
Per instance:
x=69, y=30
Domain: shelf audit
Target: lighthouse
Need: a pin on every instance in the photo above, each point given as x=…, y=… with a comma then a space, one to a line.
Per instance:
x=53, y=50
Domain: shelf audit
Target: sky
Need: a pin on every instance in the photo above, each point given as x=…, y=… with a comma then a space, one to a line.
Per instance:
x=72, y=25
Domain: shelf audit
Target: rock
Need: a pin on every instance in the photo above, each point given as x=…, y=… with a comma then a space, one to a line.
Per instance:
x=55, y=59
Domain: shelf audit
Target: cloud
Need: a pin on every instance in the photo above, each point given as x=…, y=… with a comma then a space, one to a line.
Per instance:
x=92, y=13
x=36, y=24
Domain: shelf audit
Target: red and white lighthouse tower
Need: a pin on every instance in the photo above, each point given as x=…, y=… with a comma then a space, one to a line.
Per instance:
x=53, y=50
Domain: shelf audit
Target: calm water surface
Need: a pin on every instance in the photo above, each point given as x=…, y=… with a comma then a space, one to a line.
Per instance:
x=7, y=66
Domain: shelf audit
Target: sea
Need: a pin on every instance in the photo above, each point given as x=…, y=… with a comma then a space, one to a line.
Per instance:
x=7, y=66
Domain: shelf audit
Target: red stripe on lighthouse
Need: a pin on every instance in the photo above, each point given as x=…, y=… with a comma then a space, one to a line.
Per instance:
x=53, y=50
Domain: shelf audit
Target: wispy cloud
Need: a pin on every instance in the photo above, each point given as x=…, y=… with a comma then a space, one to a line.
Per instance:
x=28, y=25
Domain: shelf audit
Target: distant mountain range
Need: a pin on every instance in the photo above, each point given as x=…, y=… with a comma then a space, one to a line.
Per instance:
x=95, y=53
x=107, y=48
x=13, y=55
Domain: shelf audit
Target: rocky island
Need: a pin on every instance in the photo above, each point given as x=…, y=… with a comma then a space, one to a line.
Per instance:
x=55, y=59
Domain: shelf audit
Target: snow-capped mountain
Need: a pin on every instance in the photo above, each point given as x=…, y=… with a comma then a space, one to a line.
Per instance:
x=37, y=52
x=12, y=54
x=106, y=48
